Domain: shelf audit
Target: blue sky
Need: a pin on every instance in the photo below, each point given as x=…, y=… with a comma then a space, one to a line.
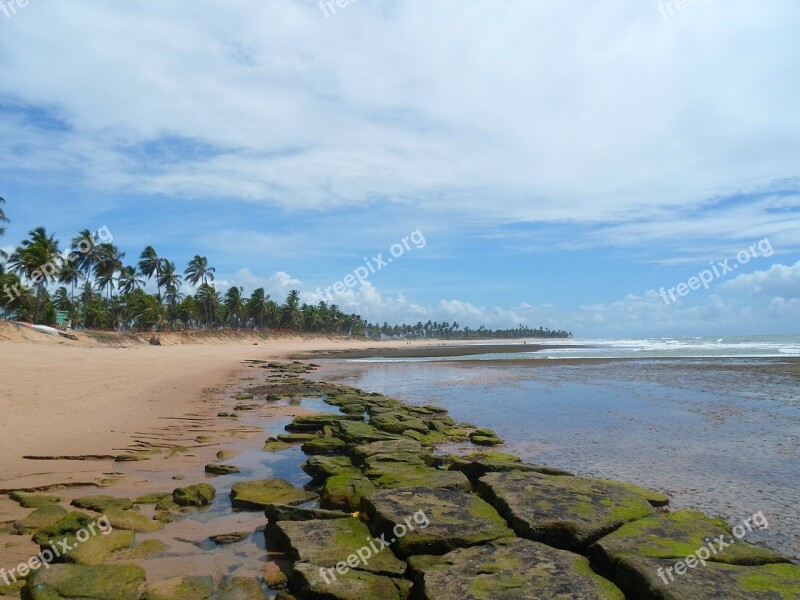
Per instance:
x=564, y=161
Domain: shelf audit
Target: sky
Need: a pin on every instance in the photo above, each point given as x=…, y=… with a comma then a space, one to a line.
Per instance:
x=549, y=163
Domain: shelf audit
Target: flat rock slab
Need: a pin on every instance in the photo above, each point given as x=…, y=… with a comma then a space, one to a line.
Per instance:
x=322, y=467
x=257, y=495
x=564, y=512
x=641, y=579
x=515, y=569
x=307, y=582
x=477, y=468
x=104, y=582
x=394, y=475
x=329, y=542
x=454, y=520
x=675, y=536
x=284, y=512
x=345, y=492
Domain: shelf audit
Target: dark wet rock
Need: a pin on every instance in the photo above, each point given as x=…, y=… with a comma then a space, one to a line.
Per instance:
x=324, y=445
x=565, y=512
x=640, y=578
x=194, y=495
x=27, y=500
x=317, y=422
x=102, y=503
x=515, y=569
x=284, y=512
x=284, y=596
x=675, y=536
x=327, y=543
x=308, y=582
x=245, y=407
x=241, y=397
x=322, y=467
x=101, y=582
x=44, y=516
x=224, y=539
x=344, y=492
x=257, y=495
x=181, y=588
x=214, y=469
x=454, y=520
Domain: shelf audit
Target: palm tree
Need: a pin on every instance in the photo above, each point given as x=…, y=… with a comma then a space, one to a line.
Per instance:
x=70, y=274
x=209, y=299
x=171, y=281
x=199, y=271
x=293, y=316
x=109, y=263
x=235, y=305
x=129, y=280
x=150, y=265
x=258, y=308
x=3, y=218
x=36, y=259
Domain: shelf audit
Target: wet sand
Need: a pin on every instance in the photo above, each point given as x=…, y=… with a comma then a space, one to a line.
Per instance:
x=432, y=350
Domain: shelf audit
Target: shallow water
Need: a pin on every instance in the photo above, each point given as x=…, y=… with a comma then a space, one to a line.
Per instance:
x=721, y=435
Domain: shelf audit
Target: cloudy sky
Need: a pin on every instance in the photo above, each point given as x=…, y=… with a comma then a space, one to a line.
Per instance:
x=562, y=160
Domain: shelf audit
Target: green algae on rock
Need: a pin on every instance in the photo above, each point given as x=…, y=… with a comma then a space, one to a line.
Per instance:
x=329, y=542
x=569, y=512
x=44, y=516
x=321, y=467
x=181, y=588
x=284, y=512
x=102, y=503
x=201, y=494
x=99, y=582
x=512, y=569
x=257, y=495
x=214, y=469
x=345, y=492
x=307, y=581
x=455, y=520
x=26, y=500
x=98, y=549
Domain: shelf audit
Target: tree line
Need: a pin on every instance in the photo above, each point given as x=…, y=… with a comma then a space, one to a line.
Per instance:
x=91, y=282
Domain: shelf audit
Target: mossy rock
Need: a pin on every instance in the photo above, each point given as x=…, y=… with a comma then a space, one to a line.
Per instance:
x=360, y=453
x=297, y=438
x=102, y=504
x=100, y=548
x=324, y=446
x=420, y=564
x=322, y=467
x=651, y=579
x=241, y=397
x=214, y=469
x=44, y=516
x=27, y=500
x=512, y=569
x=398, y=422
x=400, y=475
x=284, y=512
x=201, y=494
x=357, y=432
x=12, y=590
x=133, y=520
x=475, y=467
x=485, y=437
x=100, y=582
x=569, y=513
x=142, y=551
x=655, y=498
x=454, y=520
x=353, y=409
x=166, y=503
x=675, y=536
x=275, y=445
x=181, y=588
x=257, y=495
x=234, y=537
x=306, y=423
x=308, y=582
x=153, y=498
x=224, y=455
x=426, y=439
x=329, y=542
x=345, y=492
x=68, y=525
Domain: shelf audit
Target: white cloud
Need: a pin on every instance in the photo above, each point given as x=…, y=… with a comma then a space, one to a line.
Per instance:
x=778, y=280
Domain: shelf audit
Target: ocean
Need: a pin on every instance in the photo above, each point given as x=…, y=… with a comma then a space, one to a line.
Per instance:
x=714, y=422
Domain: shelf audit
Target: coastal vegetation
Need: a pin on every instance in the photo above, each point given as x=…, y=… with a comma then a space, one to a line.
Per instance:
x=90, y=280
